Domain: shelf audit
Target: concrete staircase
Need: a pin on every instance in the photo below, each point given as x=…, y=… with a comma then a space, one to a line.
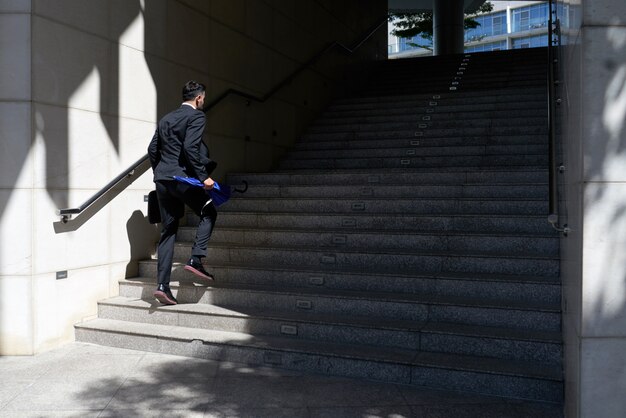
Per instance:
x=403, y=239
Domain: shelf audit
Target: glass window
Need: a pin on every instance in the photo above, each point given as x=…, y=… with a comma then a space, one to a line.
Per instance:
x=499, y=25
x=529, y=41
x=492, y=46
x=489, y=25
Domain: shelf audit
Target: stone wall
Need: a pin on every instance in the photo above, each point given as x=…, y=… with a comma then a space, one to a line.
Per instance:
x=594, y=254
x=82, y=85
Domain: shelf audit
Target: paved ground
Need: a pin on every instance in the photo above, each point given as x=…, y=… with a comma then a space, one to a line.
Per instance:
x=83, y=380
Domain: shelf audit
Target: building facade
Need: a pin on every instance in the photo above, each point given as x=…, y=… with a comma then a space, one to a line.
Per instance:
x=511, y=25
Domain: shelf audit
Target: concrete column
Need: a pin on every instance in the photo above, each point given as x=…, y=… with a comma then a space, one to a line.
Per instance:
x=448, y=27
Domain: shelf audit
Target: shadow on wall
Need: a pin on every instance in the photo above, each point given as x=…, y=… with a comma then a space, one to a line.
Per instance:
x=141, y=236
x=604, y=148
x=61, y=64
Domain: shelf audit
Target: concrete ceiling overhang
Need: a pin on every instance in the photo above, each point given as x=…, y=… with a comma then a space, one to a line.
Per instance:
x=427, y=5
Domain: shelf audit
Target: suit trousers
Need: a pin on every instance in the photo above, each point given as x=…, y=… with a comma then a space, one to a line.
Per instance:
x=173, y=196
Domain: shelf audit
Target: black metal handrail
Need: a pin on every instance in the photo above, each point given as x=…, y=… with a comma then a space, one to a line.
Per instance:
x=66, y=214
x=553, y=202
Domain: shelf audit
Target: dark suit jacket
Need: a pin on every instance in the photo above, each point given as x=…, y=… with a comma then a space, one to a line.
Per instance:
x=177, y=149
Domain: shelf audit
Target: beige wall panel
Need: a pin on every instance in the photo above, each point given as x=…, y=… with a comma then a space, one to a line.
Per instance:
x=227, y=119
x=134, y=140
x=259, y=70
x=132, y=238
x=259, y=121
x=187, y=37
x=604, y=12
x=604, y=107
x=287, y=38
x=23, y=6
x=155, y=39
x=59, y=304
x=285, y=7
x=16, y=232
x=16, y=169
x=85, y=247
x=230, y=155
x=15, y=57
x=314, y=20
x=604, y=261
x=603, y=378
x=258, y=156
x=227, y=61
x=202, y=6
x=63, y=58
x=284, y=123
x=137, y=93
x=283, y=67
x=231, y=13
x=16, y=315
x=259, y=21
x=88, y=16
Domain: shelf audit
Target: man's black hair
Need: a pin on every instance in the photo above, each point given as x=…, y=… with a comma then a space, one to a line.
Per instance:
x=191, y=89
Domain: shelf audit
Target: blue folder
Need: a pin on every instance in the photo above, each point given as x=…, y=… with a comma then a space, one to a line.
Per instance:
x=219, y=194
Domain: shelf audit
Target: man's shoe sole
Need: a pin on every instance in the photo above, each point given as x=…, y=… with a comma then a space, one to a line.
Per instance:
x=163, y=298
x=198, y=273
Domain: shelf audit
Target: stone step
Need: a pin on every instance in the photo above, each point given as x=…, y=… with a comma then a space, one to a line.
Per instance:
x=464, y=84
x=502, y=224
x=487, y=286
x=526, y=345
x=418, y=151
x=379, y=240
x=406, y=103
x=452, y=372
x=418, y=115
x=437, y=106
x=399, y=190
x=521, y=315
x=348, y=207
x=458, y=162
x=428, y=132
x=379, y=260
x=430, y=123
x=420, y=142
x=405, y=177
x=531, y=94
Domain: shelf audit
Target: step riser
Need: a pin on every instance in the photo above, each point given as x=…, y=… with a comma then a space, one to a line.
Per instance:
x=464, y=85
x=532, y=245
x=397, y=206
x=462, y=98
x=334, y=259
x=429, y=133
x=421, y=143
x=391, y=192
x=437, y=286
x=546, y=353
x=438, y=108
x=259, y=326
x=429, y=162
x=240, y=300
x=511, y=386
x=473, y=224
x=436, y=115
x=433, y=123
x=374, y=179
x=420, y=151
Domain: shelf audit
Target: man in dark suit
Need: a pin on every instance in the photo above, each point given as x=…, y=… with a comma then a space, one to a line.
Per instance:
x=177, y=149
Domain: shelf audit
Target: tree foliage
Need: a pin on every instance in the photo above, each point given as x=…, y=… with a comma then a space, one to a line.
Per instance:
x=409, y=25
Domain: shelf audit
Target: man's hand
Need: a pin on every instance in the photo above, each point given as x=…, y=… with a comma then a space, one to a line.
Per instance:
x=208, y=183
